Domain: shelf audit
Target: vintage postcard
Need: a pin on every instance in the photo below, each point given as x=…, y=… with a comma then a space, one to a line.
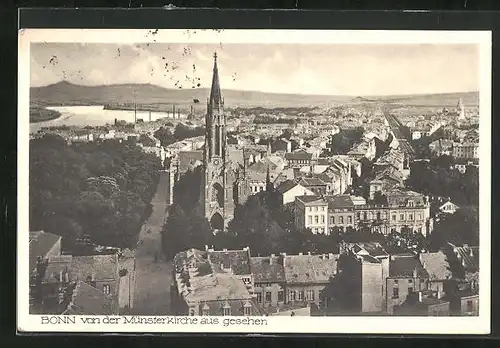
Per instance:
x=254, y=181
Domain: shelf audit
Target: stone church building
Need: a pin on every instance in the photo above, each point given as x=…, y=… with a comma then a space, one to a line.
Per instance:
x=224, y=183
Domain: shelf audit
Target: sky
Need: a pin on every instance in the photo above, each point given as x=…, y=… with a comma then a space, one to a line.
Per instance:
x=323, y=69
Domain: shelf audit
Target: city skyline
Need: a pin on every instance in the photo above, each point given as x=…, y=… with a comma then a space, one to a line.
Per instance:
x=284, y=68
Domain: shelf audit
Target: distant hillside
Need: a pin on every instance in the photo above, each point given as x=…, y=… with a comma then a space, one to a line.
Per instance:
x=65, y=93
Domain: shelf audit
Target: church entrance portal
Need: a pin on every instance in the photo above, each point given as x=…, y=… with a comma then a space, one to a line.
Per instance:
x=217, y=222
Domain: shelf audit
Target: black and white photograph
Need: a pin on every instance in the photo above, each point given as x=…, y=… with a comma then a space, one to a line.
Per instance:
x=243, y=175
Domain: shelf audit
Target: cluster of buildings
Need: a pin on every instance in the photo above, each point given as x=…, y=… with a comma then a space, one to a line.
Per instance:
x=402, y=209
x=361, y=279
x=69, y=284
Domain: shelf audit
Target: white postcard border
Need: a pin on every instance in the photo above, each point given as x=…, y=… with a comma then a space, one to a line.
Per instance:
x=361, y=324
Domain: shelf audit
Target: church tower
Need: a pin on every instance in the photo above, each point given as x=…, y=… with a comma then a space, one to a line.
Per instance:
x=216, y=190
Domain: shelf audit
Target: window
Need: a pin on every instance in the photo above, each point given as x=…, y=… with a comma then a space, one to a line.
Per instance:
x=247, y=310
x=410, y=289
x=411, y=203
x=420, y=230
x=281, y=296
x=401, y=217
x=316, y=219
x=341, y=220
x=419, y=216
x=106, y=289
x=469, y=306
x=349, y=219
x=310, y=219
x=268, y=296
x=395, y=281
x=410, y=281
x=191, y=312
x=395, y=293
x=378, y=215
x=301, y=295
x=332, y=220
x=358, y=215
x=259, y=297
x=394, y=217
x=410, y=217
x=246, y=280
x=315, y=208
x=310, y=295
x=322, y=208
x=205, y=312
x=226, y=311
x=365, y=216
x=291, y=296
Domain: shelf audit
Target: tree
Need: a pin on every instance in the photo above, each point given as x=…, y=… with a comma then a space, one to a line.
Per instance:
x=97, y=192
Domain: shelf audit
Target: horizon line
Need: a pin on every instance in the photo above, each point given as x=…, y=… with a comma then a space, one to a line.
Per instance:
x=247, y=90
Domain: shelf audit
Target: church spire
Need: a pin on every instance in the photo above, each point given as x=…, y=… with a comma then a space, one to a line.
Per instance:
x=215, y=94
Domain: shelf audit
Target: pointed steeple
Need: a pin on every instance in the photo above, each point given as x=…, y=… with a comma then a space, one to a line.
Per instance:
x=215, y=94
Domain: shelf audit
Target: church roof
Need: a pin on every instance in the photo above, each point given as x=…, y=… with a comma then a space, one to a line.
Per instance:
x=215, y=93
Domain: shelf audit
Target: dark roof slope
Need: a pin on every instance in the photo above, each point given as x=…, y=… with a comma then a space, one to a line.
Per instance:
x=89, y=301
x=237, y=260
x=312, y=269
x=268, y=269
x=404, y=266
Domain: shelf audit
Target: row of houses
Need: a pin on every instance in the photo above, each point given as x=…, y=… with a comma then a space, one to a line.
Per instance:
x=402, y=209
x=68, y=284
x=362, y=279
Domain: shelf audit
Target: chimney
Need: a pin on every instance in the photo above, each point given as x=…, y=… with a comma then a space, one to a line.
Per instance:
x=420, y=295
x=61, y=276
x=471, y=253
x=330, y=256
x=224, y=249
x=271, y=259
x=301, y=254
x=273, y=255
x=309, y=253
x=206, y=247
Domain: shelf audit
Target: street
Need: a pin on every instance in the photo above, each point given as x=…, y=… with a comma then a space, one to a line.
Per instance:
x=150, y=281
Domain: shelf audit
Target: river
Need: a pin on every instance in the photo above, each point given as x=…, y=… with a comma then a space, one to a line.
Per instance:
x=94, y=115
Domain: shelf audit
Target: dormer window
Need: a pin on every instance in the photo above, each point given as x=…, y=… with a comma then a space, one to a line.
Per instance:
x=205, y=310
x=247, y=309
x=226, y=310
x=411, y=204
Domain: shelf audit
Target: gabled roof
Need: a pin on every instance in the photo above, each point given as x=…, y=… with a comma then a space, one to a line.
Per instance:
x=268, y=269
x=237, y=260
x=374, y=249
x=89, y=301
x=398, y=197
x=339, y=202
x=405, y=266
x=286, y=186
x=311, y=200
x=309, y=269
x=313, y=181
x=103, y=267
x=436, y=265
x=299, y=155
x=40, y=244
